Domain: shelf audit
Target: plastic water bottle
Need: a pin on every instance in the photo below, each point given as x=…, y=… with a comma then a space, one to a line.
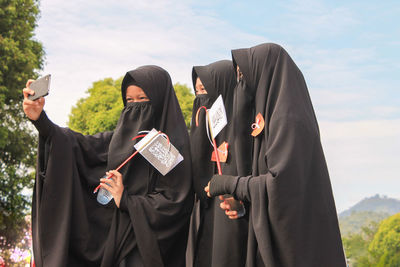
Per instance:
x=104, y=196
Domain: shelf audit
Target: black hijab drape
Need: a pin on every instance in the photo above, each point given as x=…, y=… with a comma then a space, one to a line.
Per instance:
x=293, y=220
x=70, y=228
x=215, y=240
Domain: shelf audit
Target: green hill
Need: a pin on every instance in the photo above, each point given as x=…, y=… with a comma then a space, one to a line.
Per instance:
x=353, y=223
x=375, y=203
x=367, y=211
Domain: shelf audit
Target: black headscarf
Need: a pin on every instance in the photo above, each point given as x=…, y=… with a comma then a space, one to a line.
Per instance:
x=218, y=79
x=165, y=208
x=150, y=227
x=211, y=230
x=293, y=220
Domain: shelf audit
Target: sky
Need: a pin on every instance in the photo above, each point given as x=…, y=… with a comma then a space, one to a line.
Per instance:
x=348, y=52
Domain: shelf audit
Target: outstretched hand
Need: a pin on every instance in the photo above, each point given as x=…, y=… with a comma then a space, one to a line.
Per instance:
x=32, y=108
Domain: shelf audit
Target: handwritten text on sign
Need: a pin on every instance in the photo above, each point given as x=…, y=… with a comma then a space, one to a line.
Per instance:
x=154, y=147
x=217, y=116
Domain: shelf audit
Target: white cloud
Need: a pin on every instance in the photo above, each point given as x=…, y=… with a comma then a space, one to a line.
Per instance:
x=88, y=41
x=362, y=158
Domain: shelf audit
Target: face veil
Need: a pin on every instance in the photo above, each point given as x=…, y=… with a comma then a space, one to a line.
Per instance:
x=135, y=117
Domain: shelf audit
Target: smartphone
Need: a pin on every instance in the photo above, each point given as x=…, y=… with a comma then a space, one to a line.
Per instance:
x=41, y=87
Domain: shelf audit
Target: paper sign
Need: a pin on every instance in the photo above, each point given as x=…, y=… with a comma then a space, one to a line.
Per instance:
x=222, y=153
x=156, y=149
x=217, y=117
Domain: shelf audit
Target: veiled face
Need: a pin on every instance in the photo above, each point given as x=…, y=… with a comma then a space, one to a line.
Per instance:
x=135, y=94
x=200, y=90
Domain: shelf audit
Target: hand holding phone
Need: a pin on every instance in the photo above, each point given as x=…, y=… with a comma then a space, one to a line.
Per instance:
x=33, y=108
x=41, y=87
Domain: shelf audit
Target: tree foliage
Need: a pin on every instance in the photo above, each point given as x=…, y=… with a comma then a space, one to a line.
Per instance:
x=21, y=56
x=377, y=245
x=185, y=97
x=356, y=245
x=100, y=111
x=384, y=249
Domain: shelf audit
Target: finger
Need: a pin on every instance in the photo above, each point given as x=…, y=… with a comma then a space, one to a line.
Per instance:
x=115, y=173
x=110, y=181
x=110, y=175
x=107, y=187
x=27, y=92
x=231, y=213
x=117, y=176
x=224, y=206
x=233, y=217
x=32, y=103
x=207, y=189
x=29, y=82
x=221, y=197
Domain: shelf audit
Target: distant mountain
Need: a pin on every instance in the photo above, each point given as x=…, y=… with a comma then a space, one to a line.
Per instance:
x=367, y=211
x=353, y=223
x=375, y=203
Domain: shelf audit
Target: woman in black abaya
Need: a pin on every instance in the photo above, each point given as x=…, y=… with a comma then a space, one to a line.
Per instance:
x=215, y=240
x=147, y=223
x=292, y=220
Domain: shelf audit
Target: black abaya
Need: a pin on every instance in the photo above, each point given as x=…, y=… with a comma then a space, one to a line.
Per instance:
x=70, y=228
x=293, y=220
x=215, y=240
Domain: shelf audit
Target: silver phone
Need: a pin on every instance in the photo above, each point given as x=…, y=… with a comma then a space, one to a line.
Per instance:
x=41, y=87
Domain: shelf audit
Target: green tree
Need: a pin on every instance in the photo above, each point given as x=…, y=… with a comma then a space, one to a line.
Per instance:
x=21, y=56
x=384, y=249
x=356, y=245
x=185, y=98
x=100, y=111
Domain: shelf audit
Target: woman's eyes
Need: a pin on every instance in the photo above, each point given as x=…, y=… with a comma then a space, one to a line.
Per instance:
x=129, y=99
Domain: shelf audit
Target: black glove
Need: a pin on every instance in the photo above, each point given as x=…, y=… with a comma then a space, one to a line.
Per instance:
x=223, y=184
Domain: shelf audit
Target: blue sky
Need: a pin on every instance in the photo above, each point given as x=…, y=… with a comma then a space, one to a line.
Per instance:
x=348, y=52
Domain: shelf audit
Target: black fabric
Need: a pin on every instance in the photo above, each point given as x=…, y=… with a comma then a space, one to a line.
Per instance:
x=215, y=240
x=200, y=147
x=225, y=185
x=293, y=220
x=70, y=228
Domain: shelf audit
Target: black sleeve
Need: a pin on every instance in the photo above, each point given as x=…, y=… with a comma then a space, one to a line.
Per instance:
x=223, y=184
x=44, y=125
x=123, y=205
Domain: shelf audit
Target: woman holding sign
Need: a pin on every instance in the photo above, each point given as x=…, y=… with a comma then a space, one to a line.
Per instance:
x=147, y=222
x=214, y=239
x=292, y=220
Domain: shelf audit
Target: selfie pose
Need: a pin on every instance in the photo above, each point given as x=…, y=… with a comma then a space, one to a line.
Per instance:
x=292, y=216
x=146, y=223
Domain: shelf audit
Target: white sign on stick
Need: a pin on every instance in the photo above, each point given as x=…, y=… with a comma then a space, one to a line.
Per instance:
x=217, y=117
x=156, y=149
